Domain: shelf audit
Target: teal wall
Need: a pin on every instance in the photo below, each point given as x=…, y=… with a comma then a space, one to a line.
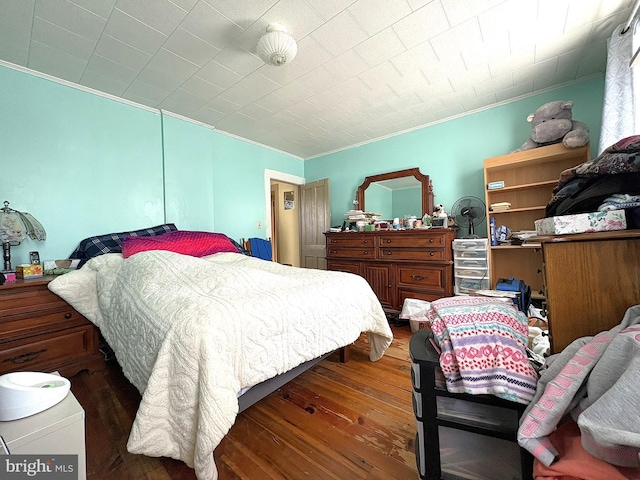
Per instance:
x=84, y=164
x=452, y=152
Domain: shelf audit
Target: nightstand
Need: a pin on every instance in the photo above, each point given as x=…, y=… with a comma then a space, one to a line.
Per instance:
x=39, y=331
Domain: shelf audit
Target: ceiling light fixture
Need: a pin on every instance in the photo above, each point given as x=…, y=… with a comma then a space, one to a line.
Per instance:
x=277, y=46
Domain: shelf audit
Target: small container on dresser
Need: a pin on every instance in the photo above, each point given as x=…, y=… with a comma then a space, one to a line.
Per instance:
x=471, y=267
x=39, y=331
x=461, y=435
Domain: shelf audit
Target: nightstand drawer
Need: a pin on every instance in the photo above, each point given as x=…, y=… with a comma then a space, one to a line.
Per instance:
x=42, y=351
x=28, y=325
x=28, y=299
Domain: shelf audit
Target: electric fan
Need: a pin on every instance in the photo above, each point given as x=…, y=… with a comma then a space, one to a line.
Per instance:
x=468, y=212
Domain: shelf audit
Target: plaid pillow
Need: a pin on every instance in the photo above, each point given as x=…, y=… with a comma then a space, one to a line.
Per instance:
x=112, y=242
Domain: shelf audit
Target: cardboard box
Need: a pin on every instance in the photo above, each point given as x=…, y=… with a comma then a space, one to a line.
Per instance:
x=29, y=270
x=582, y=223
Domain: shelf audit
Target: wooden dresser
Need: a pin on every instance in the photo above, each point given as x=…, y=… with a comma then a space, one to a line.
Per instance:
x=590, y=279
x=39, y=331
x=397, y=264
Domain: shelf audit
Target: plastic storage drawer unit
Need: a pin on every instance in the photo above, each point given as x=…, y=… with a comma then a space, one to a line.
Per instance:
x=462, y=436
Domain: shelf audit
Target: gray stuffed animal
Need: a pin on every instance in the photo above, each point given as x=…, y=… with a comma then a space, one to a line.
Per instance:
x=552, y=123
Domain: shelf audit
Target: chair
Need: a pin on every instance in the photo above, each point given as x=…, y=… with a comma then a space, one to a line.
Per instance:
x=259, y=247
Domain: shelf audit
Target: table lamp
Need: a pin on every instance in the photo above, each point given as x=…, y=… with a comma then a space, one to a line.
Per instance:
x=14, y=228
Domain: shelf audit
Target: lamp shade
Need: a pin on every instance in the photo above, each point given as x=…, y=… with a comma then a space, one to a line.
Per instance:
x=14, y=228
x=277, y=46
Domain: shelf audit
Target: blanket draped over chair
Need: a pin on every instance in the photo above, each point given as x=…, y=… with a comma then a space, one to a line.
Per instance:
x=190, y=333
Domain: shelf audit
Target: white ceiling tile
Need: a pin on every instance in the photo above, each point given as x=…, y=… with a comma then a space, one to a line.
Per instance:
x=328, y=9
x=241, y=13
x=71, y=17
x=310, y=54
x=495, y=84
x=518, y=59
x=100, y=83
x=298, y=17
x=109, y=69
x=574, y=40
x=249, y=37
x=516, y=91
x=210, y=25
x=161, y=15
x=340, y=34
x=223, y=105
x=255, y=111
x=207, y=115
x=272, y=102
x=221, y=76
x=61, y=39
x=281, y=74
x=102, y=8
x=452, y=111
x=191, y=48
x=537, y=70
x=385, y=73
x=153, y=94
x=167, y=70
x=459, y=11
x=184, y=4
x=318, y=80
x=122, y=53
x=293, y=92
x=17, y=12
x=250, y=89
x=201, y=88
x=181, y=102
x=416, y=59
x=381, y=47
x=460, y=39
x=376, y=15
x=352, y=88
x=422, y=25
x=133, y=32
x=45, y=59
x=238, y=60
x=346, y=66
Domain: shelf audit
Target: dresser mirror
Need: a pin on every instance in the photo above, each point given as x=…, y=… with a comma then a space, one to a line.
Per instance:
x=396, y=194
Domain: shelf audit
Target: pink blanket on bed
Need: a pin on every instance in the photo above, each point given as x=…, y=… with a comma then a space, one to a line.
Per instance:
x=483, y=343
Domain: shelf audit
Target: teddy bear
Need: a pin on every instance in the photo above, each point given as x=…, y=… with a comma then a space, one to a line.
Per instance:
x=439, y=211
x=552, y=123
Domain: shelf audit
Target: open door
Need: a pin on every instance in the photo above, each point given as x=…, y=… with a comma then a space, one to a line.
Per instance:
x=315, y=219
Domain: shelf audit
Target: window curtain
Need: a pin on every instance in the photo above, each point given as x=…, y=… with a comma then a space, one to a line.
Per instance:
x=619, y=112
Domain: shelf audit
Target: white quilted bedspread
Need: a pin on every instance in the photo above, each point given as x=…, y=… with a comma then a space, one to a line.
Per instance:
x=190, y=332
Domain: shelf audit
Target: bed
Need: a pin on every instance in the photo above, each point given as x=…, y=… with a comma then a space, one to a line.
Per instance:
x=193, y=332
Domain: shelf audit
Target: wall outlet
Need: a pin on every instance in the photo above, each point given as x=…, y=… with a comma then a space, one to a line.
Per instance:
x=259, y=225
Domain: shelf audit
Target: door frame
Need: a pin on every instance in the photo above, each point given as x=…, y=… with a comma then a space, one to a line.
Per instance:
x=278, y=177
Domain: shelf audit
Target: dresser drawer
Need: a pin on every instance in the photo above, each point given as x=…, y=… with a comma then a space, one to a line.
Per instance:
x=400, y=240
x=420, y=277
x=28, y=325
x=29, y=299
x=431, y=254
x=349, y=267
x=351, y=240
x=40, y=351
x=351, y=252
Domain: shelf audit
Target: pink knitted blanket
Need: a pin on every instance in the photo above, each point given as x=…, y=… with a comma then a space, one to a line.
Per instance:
x=483, y=343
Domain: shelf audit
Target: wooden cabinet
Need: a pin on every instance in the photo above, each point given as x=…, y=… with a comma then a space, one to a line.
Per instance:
x=397, y=264
x=590, y=281
x=39, y=331
x=529, y=178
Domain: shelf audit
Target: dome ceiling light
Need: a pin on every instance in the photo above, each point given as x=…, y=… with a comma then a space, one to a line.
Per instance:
x=277, y=46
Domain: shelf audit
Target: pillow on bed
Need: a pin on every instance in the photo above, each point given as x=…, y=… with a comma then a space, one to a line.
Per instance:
x=196, y=244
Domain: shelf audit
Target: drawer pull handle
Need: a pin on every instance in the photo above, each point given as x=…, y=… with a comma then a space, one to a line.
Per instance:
x=366, y=252
x=25, y=357
x=67, y=315
x=388, y=252
x=388, y=240
x=431, y=254
x=431, y=240
x=418, y=277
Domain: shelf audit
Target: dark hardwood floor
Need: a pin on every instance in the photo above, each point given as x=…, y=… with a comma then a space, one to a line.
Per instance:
x=335, y=421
